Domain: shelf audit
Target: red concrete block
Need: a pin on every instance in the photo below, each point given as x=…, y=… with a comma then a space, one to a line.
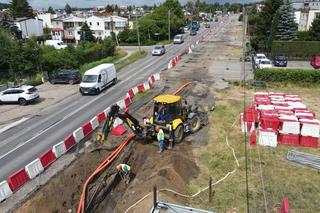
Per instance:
x=18, y=179
x=289, y=139
x=87, y=128
x=253, y=138
x=285, y=205
x=131, y=93
x=47, y=158
x=127, y=101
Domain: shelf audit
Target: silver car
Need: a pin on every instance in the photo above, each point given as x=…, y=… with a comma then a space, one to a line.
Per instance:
x=159, y=50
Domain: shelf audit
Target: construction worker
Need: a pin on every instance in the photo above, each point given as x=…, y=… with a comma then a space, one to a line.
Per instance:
x=171, y=133
x=160, y=137
x=124, y=172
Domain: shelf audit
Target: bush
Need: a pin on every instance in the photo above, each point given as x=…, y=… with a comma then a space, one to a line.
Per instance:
x=296, y=49
x=34, y=82
x=88, y=66
x=288, y=76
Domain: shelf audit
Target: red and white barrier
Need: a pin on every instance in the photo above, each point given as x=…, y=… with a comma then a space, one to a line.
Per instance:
x=189, y=50
x=5, y=191
x=47, y=158
x=78, y=135
x=157, y=76
x=94, y=122
x=34, y=168
x=121, y=104
x=268, y=138
x=59, y=149
x=146, y=86
x=87, y=129
x=18, y=179
x=69, y=142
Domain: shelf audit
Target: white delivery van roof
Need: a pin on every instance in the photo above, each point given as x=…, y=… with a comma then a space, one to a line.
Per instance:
x=96, y=70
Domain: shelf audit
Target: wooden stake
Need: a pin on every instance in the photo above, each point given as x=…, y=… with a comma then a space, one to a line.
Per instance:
x=210, y=190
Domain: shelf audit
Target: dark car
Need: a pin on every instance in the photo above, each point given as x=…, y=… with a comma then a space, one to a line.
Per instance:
x=66, y=77
x=280, y=61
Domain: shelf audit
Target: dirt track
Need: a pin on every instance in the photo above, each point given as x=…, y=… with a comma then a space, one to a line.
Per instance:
x=172, y=169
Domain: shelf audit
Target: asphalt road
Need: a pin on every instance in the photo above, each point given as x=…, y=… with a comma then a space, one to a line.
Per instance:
x=27, y=141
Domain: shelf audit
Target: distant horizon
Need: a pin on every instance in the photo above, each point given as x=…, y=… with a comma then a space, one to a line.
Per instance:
x=59, y=4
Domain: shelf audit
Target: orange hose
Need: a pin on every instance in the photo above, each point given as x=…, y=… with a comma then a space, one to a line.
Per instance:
x=110, y=159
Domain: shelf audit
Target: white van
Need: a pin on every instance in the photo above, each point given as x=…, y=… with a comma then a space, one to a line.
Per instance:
x=58, y=44
x=178, y=39
x=96, y=79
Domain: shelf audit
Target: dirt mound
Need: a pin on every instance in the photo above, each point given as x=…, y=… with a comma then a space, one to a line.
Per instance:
x=171, y=169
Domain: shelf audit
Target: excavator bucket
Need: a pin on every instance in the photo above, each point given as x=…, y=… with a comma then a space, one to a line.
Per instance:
x=100, y=137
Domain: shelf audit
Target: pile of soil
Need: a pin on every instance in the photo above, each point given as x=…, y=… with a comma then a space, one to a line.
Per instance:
x=170, y=169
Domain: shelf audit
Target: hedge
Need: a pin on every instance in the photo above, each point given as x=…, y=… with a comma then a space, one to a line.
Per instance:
x=296, y=49
x=288, y=75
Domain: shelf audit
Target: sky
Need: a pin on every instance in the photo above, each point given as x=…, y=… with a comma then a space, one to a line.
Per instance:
x=90, y=3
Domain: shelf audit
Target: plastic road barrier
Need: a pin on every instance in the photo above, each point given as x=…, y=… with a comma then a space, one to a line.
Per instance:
x=78, y=134
x=34, y=168
x=101, y=117
x=94, y=122
x=47, y=158
x=87, y=128
x=18, y=179
x=59, y=149
x=268, y=137
x=69, y=142
x=5, y=190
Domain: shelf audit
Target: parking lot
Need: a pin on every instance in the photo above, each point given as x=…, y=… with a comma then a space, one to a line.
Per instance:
x=300, y=65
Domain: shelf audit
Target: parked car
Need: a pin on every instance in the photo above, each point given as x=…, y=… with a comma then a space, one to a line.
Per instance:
x=178, y=39
x=66, y=76
x=258, y=57
x=22, y=95
x=187, y=27
x=159, y=50
x=315, y=62
x=193, y=32
x=98, y=78
x=58, y=44
x=264, y=63
x=280, y=61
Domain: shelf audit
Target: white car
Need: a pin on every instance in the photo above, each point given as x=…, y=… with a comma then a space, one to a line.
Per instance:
x=259, y=57
x=22, y=95
x=159, y=50
x=264, y=63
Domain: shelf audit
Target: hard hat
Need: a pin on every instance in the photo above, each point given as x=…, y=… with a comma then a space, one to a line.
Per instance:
x=118, y=167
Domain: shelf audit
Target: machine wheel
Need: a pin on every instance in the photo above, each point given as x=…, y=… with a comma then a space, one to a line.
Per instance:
x=178, y=134
x=53, y=82
x=114, y=81
x=195, y=124
x=97, y=91
x=22, y=101
x=71, y=82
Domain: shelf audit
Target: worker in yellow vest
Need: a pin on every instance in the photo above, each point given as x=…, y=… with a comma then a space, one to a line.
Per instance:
x=124, y=172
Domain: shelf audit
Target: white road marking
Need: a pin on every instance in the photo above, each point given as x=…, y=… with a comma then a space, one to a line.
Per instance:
x=13, y=124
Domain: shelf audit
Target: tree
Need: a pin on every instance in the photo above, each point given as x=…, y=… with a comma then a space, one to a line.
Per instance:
x=130, y=8
x=21, y=8
x=287, y=28
x=109, y=9
x=174, y=6
x=86, y=33
x=51, y=10
x=264, y=23
x=68, y=9
x=314, y=31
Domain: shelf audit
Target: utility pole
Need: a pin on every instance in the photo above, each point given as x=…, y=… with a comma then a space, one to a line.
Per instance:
x=169, y=24
x=138, y=34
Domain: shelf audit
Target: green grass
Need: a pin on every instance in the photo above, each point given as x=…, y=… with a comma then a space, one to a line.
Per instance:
x=164, y=42
x=132, y=58
x=281, y=178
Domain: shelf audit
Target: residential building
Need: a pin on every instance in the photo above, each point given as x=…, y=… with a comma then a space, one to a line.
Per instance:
x=30, y=26
x=47, y=17
x=67, y=28
x=311, y=16
x=102, y=26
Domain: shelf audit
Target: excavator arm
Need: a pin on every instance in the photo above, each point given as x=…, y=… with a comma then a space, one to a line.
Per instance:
x=114, y=113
